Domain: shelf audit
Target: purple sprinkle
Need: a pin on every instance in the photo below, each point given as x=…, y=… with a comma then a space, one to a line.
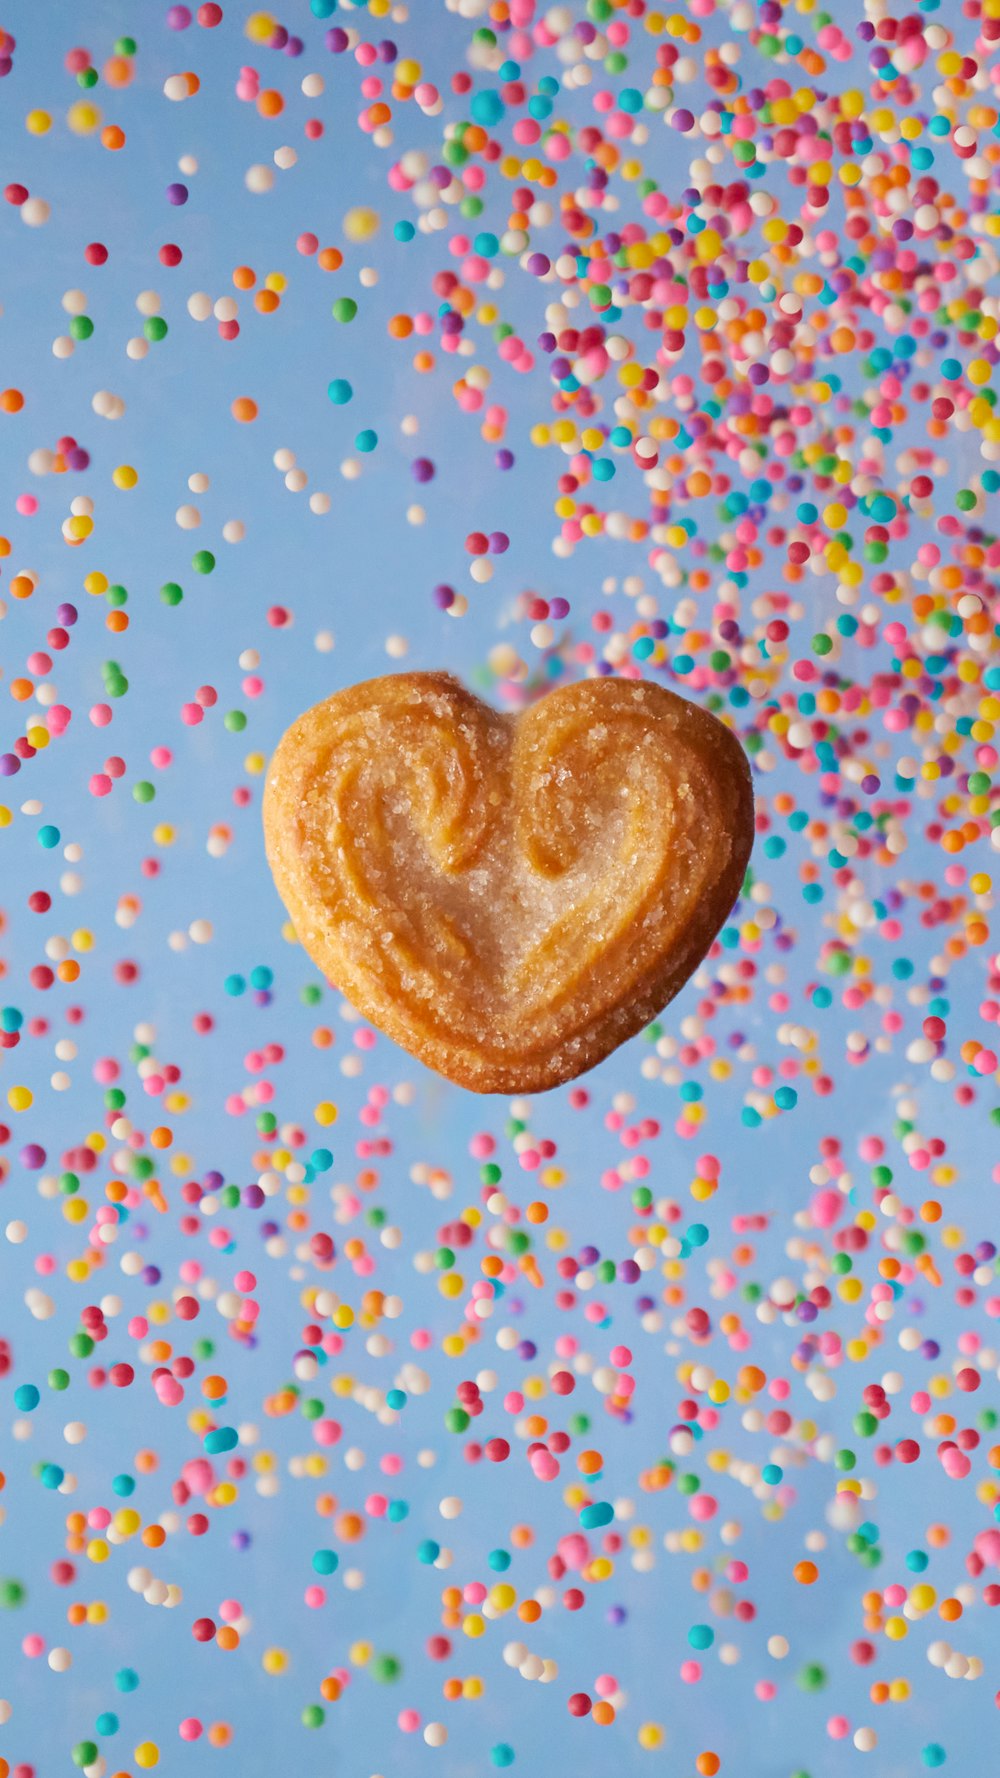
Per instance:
x=177, y=193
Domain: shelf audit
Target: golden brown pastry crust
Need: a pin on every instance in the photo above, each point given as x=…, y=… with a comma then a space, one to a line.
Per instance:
x=509, y=898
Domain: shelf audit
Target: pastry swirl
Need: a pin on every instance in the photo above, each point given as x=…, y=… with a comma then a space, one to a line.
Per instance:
x=508, y=897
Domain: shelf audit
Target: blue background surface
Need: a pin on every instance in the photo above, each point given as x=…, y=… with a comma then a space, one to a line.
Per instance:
x=365, y=573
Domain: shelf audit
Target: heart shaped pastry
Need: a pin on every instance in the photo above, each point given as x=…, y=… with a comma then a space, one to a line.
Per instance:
x=508, y=897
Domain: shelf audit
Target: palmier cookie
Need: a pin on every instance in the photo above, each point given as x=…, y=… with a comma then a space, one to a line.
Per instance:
x=508, y=897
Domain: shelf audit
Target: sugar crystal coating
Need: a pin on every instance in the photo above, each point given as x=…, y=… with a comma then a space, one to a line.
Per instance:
x=510, y=897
